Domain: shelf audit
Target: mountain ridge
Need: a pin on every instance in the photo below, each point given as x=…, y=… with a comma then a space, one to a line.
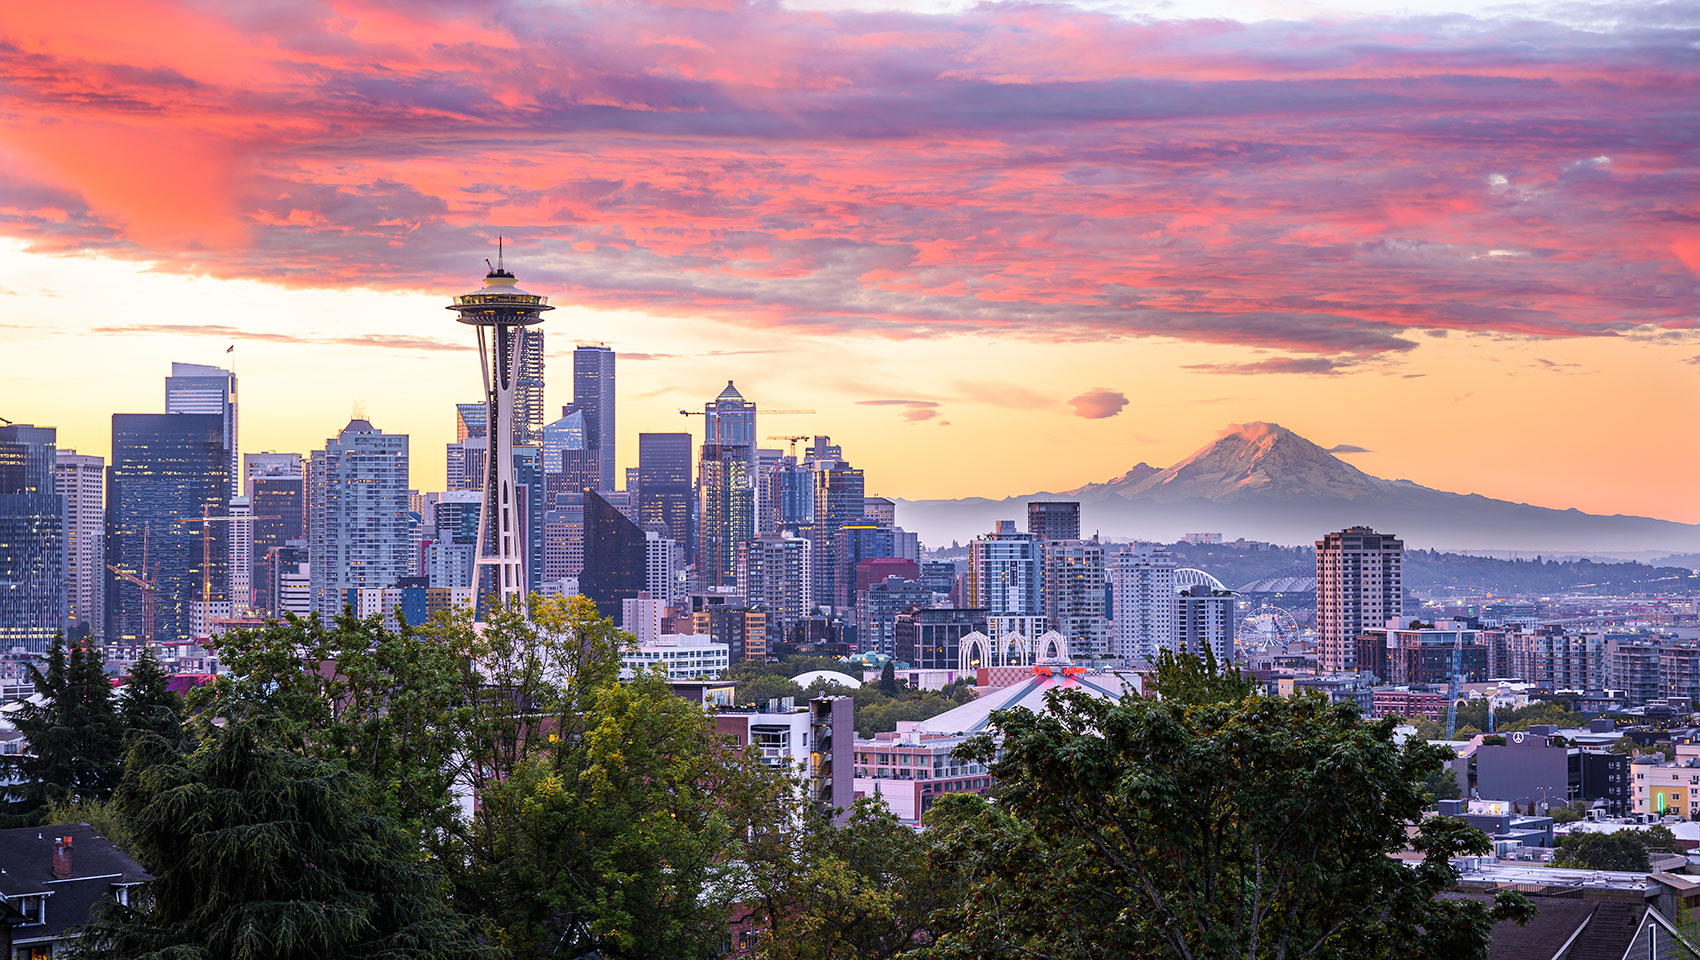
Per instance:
x=1263, y=481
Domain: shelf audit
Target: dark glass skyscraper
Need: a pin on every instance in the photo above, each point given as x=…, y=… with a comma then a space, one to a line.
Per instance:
x=32, y=540
x=614, y=565
x=665, y=494
x=166, y=469
x=199, y=388
x=593, y=393
x=285, y=499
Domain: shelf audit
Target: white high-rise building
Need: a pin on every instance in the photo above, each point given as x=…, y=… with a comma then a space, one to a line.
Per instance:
x=1006, y=572
x=1075, y=573
x=81, y=479
x=199, y=388
x=240, y=543
x=1143, y=580
x=663, y=560
x=358, y=531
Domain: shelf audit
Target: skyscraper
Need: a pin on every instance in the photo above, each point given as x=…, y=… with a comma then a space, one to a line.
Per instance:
x=528, y=391
x=268, y=464
x=1075, y=573
x=32, y=539
x=593, y=393
x=729, y=419
x=1006, y=572
x=1204, y=619
x=276, y=486
x=500, y=312
x=81, y=480
x=1144, y=604
x=665, y=495
x=661, y=565
x=199, y=388
x=1054, y=520
x=168, y=471
x=569, y=464
x=839, y=491
x=726, y=511
x=239, y=536
x=1359, y=584
x=615, y=556
x=774, y=575
x=357, y=529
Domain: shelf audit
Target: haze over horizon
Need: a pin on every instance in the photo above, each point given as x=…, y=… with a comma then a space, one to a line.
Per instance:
x=999, y=248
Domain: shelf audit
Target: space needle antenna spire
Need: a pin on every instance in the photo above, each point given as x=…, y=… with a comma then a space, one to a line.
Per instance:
x=500, y=312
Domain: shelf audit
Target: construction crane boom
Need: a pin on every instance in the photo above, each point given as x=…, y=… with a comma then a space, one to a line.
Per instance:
x=1455, y=685
x=206, y=550
x=699, y=413
x=148, y=581
x=793, y=438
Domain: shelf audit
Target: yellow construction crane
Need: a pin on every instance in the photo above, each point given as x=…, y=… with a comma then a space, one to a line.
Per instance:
x=762, y=412
x=207, y=520
x=794, y=439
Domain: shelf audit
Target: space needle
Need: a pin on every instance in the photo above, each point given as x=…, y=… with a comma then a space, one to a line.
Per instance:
x=500, y=311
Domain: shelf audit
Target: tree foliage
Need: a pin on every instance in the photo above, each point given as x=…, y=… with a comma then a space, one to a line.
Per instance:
x=1621, y=850
x=259, y=853
x=860, y=890
x=75, y=734
x=1204, y=824
x=383, y=702
x=147, y=703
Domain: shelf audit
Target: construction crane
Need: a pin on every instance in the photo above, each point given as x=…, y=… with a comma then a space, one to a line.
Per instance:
x=763, y=412
x=1456, y=685
x=207, y=520
x=149, y=584
x=793, y=439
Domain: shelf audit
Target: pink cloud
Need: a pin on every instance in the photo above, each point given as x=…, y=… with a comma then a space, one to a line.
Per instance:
x=1099, y=403
x=1016, y=171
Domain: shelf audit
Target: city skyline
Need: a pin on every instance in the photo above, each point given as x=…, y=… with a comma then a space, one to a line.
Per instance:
x=1441, y=237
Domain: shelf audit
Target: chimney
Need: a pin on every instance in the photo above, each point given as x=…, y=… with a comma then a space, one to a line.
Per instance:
x=61, y=857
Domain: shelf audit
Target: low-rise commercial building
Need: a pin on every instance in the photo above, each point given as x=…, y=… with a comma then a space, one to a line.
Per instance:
x=684, y=656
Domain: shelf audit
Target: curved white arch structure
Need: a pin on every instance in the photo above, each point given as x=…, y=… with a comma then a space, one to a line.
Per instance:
x=971, y=643
x=1051, y=645
x=1188, y=577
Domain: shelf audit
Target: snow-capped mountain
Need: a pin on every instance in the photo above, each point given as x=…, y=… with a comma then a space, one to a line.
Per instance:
x=1262, y=481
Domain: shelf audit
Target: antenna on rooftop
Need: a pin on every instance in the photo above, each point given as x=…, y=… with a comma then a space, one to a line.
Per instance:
x=498, y=251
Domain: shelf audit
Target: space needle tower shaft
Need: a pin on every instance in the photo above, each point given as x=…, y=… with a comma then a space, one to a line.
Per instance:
x=499, y=311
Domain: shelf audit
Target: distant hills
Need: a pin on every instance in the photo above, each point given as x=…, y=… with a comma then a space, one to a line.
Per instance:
x=1262, y=481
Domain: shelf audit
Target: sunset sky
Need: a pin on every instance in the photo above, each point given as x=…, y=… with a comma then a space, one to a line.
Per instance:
x=998, y=248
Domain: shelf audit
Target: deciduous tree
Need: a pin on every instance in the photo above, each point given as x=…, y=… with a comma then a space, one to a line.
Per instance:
x=1209, y=822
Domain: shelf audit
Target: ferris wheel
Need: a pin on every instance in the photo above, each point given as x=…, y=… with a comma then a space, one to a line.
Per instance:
x=1269, y=626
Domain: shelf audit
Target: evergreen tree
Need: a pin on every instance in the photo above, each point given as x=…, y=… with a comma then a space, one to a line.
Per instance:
x=888, y=679
x=149, y=705
x=261, y=854
x=74, y=734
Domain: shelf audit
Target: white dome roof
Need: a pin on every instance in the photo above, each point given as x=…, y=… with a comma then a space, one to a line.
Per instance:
x=830, y=676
